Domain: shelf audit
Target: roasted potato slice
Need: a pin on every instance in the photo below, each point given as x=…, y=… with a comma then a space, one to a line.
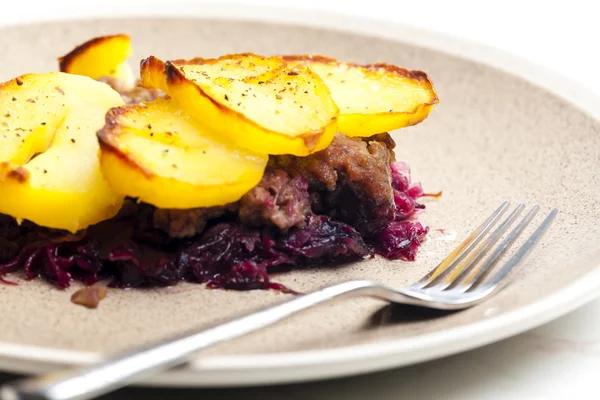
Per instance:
x=152, y=73
x=154, y=152
x=258, y=102
x=244, y=66
x=104, y=56
x=373, y=98
x=49, y=168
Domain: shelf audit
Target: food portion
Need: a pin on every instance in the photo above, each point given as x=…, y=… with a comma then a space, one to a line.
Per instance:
x=157, y=154
x=372, y=98
x=279, y=223
x=49, y=168
x=231, y=169
x=260, y=103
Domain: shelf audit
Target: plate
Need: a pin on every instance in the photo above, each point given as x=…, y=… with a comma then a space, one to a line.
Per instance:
x=504, y=130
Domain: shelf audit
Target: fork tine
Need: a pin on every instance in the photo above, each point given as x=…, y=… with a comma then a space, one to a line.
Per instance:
x=525, y=249
x=478, y=275
x=462, y=250
x=454, y=278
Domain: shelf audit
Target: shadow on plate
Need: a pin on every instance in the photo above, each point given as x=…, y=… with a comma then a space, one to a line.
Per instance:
x=404, y=314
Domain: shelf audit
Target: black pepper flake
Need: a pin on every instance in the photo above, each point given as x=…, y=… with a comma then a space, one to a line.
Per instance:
x=391, y=110
x=149, y=126
x=14, y=99
x=306, y=91
x=43, y=123
x=72, y=140
x=289, y=83
x=151, y=134
x=253, y=95
x=239, y=104
x=244, y=94
x=165, y=151
x=18, y=135
x=261, y=82
x=203, y=151
x=292, y=73
x=19, y=82
x=45, y=171
x=226, y=98
x=7, y=115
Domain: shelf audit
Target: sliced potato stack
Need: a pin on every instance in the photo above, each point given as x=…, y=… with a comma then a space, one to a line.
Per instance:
x=154, y=152
x=260, y=103
x=104, y=56
x=49, y=167
x=372, y=98
x=206, y=145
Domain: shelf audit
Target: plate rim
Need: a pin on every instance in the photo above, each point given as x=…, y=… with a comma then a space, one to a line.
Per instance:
x=355, y=359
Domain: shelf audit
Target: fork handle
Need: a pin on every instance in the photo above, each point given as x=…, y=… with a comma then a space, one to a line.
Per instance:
x=89, y=382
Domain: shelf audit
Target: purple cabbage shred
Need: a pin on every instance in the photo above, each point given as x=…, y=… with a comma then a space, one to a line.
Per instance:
x=401, y=238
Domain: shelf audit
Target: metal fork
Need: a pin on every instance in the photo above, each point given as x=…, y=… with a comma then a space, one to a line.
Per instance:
x=458, y=282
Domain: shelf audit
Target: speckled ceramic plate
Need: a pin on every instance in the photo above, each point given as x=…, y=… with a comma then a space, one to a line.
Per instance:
x=503, y=130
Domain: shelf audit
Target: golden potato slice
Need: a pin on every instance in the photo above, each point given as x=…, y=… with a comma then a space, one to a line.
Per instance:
x=243, y=66
x=100, y=57
x=373, y=98
x=258, y=102
x=154, y=152
x=49, y=168
x=152, y=72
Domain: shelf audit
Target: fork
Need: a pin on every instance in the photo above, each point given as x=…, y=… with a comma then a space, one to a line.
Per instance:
x=458, y=282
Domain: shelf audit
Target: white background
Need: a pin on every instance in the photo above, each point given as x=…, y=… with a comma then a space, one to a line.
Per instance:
x=558, y=361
